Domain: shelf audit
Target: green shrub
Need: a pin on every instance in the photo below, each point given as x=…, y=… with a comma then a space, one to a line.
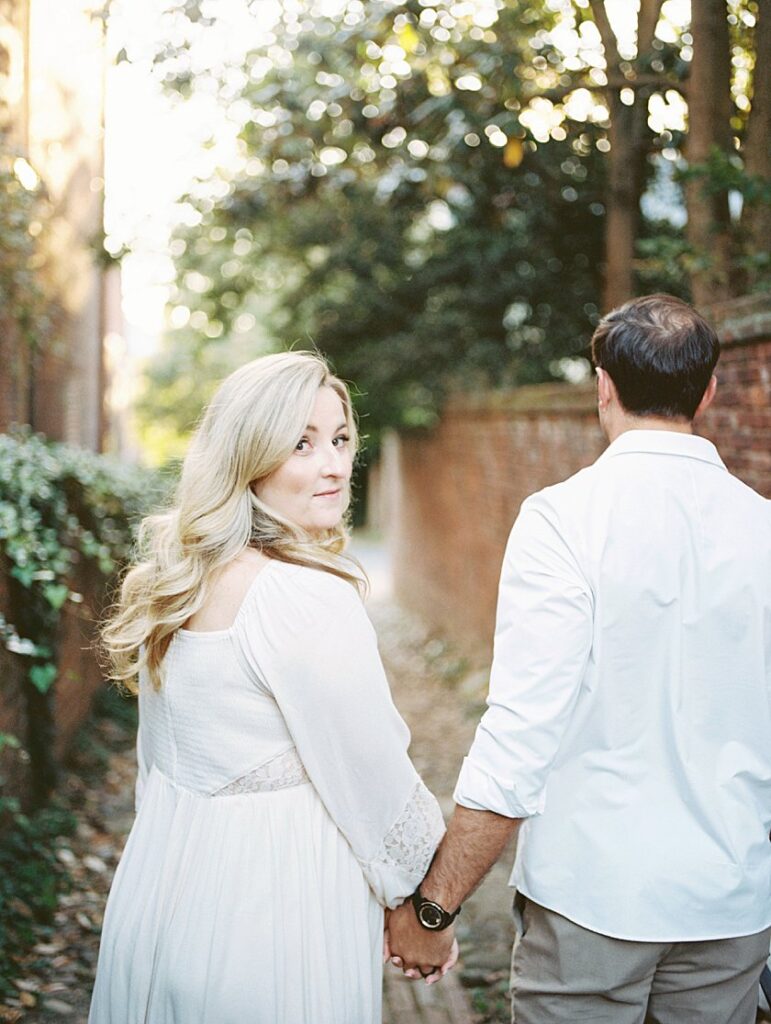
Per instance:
x=59, y=504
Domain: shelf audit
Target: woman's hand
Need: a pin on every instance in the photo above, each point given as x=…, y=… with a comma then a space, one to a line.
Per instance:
x=418, y=952
x=439, y=973
x=386, y=946
x=448, y=965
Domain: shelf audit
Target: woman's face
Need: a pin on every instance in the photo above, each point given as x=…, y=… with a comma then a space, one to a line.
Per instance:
x=311, y=487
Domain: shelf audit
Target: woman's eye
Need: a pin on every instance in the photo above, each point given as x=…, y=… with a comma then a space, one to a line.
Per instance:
x=302, y=446
x=341, y=440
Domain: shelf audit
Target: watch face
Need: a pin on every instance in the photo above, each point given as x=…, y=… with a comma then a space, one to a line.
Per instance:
x=430, y=915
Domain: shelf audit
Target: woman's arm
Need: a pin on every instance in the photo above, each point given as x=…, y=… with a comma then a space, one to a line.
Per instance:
x=318, y=657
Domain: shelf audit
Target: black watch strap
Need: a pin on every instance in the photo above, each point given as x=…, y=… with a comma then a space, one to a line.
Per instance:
x=431, y=915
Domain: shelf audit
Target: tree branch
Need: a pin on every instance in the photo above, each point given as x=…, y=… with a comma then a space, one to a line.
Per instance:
x=608, y=36
x=653, y=82
x=647, y=20
x=757, y=152
x=647, y=81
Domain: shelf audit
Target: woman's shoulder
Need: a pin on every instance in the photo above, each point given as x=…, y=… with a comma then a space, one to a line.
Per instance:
x=304, y=583
x=292, y=603
x=227, y=590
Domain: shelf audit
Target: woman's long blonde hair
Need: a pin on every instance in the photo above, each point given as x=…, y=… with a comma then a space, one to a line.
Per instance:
x=250, y=428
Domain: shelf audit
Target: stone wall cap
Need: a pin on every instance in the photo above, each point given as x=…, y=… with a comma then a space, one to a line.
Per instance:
x=556, y=397
x=742, y=320
x=738, y=322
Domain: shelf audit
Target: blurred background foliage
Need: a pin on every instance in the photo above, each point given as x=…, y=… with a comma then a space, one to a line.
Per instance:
x=28, y=309
x=428, y=192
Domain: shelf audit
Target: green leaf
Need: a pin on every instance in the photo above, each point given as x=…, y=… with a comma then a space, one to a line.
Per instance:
x=42, y=676
x=25, y=574
x=7, y=739
x=56, y=594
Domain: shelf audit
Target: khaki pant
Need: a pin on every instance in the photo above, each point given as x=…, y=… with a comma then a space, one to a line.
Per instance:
x=561, y=972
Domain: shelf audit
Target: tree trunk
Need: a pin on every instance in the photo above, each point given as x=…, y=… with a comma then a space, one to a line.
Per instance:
x=622, y=210
x=757, y=150
x=629, y=145
x=709, y=132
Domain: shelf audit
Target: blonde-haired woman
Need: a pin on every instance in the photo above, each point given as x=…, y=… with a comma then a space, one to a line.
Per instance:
x=277, y=809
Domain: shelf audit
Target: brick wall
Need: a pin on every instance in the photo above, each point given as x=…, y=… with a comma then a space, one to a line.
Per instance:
x=453, y=494
x=53, y=116
x=739, y=421
x=74, y=689
x=15, y=372
x=14, y=765
x=447, y=498
x=51, y=112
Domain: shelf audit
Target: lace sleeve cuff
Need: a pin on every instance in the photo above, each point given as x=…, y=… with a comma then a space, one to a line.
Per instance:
x=407, y=848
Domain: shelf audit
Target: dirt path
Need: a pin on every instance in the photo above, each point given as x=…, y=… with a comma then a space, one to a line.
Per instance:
x=440, y=697
x=55, y=980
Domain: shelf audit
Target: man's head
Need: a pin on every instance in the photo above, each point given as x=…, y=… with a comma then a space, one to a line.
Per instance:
x=659, y=354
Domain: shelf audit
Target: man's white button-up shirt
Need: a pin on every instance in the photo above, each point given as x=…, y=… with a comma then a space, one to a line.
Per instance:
x=629, y=715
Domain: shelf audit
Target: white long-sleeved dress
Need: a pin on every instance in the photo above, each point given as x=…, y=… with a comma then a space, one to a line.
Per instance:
x=277, y=814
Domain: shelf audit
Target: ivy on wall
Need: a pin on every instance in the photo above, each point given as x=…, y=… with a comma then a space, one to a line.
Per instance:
x=58, y=506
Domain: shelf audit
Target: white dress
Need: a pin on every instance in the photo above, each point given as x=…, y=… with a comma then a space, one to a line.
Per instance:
x=277, y=813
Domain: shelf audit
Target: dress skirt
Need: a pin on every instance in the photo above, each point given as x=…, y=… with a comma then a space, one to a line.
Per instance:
x=242, y=909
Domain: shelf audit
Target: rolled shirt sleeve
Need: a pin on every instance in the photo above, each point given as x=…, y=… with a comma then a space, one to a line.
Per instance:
x=543, y=639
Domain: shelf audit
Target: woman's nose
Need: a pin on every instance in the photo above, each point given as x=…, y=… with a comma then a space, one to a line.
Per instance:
x=334, y=462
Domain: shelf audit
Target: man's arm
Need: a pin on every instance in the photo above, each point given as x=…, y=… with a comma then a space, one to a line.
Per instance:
x=542, y=645
x=473, y=843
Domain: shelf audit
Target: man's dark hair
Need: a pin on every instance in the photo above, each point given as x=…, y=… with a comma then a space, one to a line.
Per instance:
x=659, y=353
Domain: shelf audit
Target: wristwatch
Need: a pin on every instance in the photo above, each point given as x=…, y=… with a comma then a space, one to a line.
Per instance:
x=430, y=915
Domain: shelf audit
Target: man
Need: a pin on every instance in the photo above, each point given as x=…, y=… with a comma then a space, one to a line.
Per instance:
x=628, y=728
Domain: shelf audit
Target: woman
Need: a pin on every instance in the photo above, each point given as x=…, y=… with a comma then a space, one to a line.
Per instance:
x=277, y=810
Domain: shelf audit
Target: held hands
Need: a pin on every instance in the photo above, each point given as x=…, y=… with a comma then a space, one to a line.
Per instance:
x=419, y=952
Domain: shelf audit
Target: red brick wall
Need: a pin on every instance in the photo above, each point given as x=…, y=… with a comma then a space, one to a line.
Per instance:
x=14, y=765
x=55, y=120
x=79, y=673
x=76, y=684
x=15, y=370
x=739, y=421
x=448, y=497
x=454, y=493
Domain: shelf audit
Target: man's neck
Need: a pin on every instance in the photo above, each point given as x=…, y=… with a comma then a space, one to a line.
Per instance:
x=621, y=424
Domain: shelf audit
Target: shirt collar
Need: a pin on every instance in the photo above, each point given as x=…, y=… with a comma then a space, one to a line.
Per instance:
x=664, y=442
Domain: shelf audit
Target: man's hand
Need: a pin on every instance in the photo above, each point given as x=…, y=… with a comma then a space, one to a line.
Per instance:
x=473, y=843
x=418, y=951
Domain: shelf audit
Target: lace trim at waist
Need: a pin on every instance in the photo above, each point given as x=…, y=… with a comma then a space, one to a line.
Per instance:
x=280, y=772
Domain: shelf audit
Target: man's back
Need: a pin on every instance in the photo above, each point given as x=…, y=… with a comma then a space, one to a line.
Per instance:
x=628, y=729
x=657, y=809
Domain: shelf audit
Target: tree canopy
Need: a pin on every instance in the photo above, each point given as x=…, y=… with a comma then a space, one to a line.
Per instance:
x=424, y=190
